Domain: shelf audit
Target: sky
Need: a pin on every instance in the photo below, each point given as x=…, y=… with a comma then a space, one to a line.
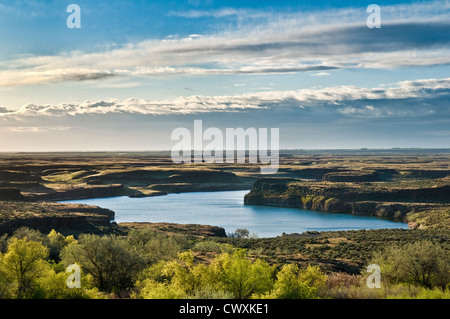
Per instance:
x=136, y=70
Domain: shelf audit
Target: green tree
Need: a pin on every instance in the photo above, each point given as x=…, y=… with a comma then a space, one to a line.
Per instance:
x=173, y=279
x=53, y=285
x=240, y=276
x=293, y=283
x=56, y=242
x=24, y=263
x=155, y=246
x=227, y=276
x=30, y=234
x=111, y=261
x=5, y=282
x=423, y=263
x=313, y=276
x=242, y=233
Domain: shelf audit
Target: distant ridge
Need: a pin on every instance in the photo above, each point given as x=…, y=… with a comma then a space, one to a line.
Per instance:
x=368, y=151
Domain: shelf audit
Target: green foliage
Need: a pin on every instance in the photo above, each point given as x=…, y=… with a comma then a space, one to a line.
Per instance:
x=3, y=243
x=154, y=246
x=56, y=242
x=31, y=234
x=112, y=261
x=210, y=293
x=293, y=283
x=241, y=276
x=342, y=286
x=184, y=274
x=27, y=271
x=420, y=263
x=153, y=272
x=212, y=246
x=408, y=292
x=355, y=245
x=52, y=285
x=418, y=270
x=5, y=285
x=174, y=279
x=434, y=219
x=23, y=265
x=158, y=290
x=241, y=233
x=227, y=275
x=147, y=264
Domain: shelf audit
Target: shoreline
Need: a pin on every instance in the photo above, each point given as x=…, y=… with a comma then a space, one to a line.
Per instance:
x=399, y=223
x=327, y=181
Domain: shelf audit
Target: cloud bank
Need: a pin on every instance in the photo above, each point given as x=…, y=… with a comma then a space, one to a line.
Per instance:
x=412, y=97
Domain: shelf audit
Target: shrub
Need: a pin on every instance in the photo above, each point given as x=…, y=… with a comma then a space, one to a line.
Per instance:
x=423, y=263
x=157, y=290
x=212, y=246
x=293, y=283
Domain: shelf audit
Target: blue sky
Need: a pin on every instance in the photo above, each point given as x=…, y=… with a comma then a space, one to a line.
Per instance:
x=136, y=70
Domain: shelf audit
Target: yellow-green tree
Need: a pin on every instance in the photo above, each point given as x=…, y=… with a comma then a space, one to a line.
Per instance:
x=53, y=285
x=185, y=274
x=293, y=283
x=150, y=289
x=229, y=275
x=5, y=284
x=23, y=264
x=56, y=242
x=240, y=276
x=168, y=279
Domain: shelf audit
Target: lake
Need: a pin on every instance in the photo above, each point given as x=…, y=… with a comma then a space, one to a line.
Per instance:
x=226, y=209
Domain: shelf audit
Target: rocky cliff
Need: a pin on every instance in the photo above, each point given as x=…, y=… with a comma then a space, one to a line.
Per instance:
x=47, y=216
x=344, y=198
x=80, y=192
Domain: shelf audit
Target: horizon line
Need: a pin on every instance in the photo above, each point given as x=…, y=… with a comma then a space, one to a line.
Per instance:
x=246, y=150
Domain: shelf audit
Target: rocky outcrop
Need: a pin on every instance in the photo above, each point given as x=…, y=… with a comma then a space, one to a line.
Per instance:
x=191, y=230
x=88, y=191
x=47, y=216
x=47, y=223
x=288, y=193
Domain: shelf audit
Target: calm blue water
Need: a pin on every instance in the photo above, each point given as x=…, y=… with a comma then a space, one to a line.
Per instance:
x=227, y=210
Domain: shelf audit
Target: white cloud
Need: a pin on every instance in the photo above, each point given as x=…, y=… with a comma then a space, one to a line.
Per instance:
x=280, y=43
x=221, y=13
x=342, y=97
x=33, y=129
x=320, y=74
x=367, y=111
